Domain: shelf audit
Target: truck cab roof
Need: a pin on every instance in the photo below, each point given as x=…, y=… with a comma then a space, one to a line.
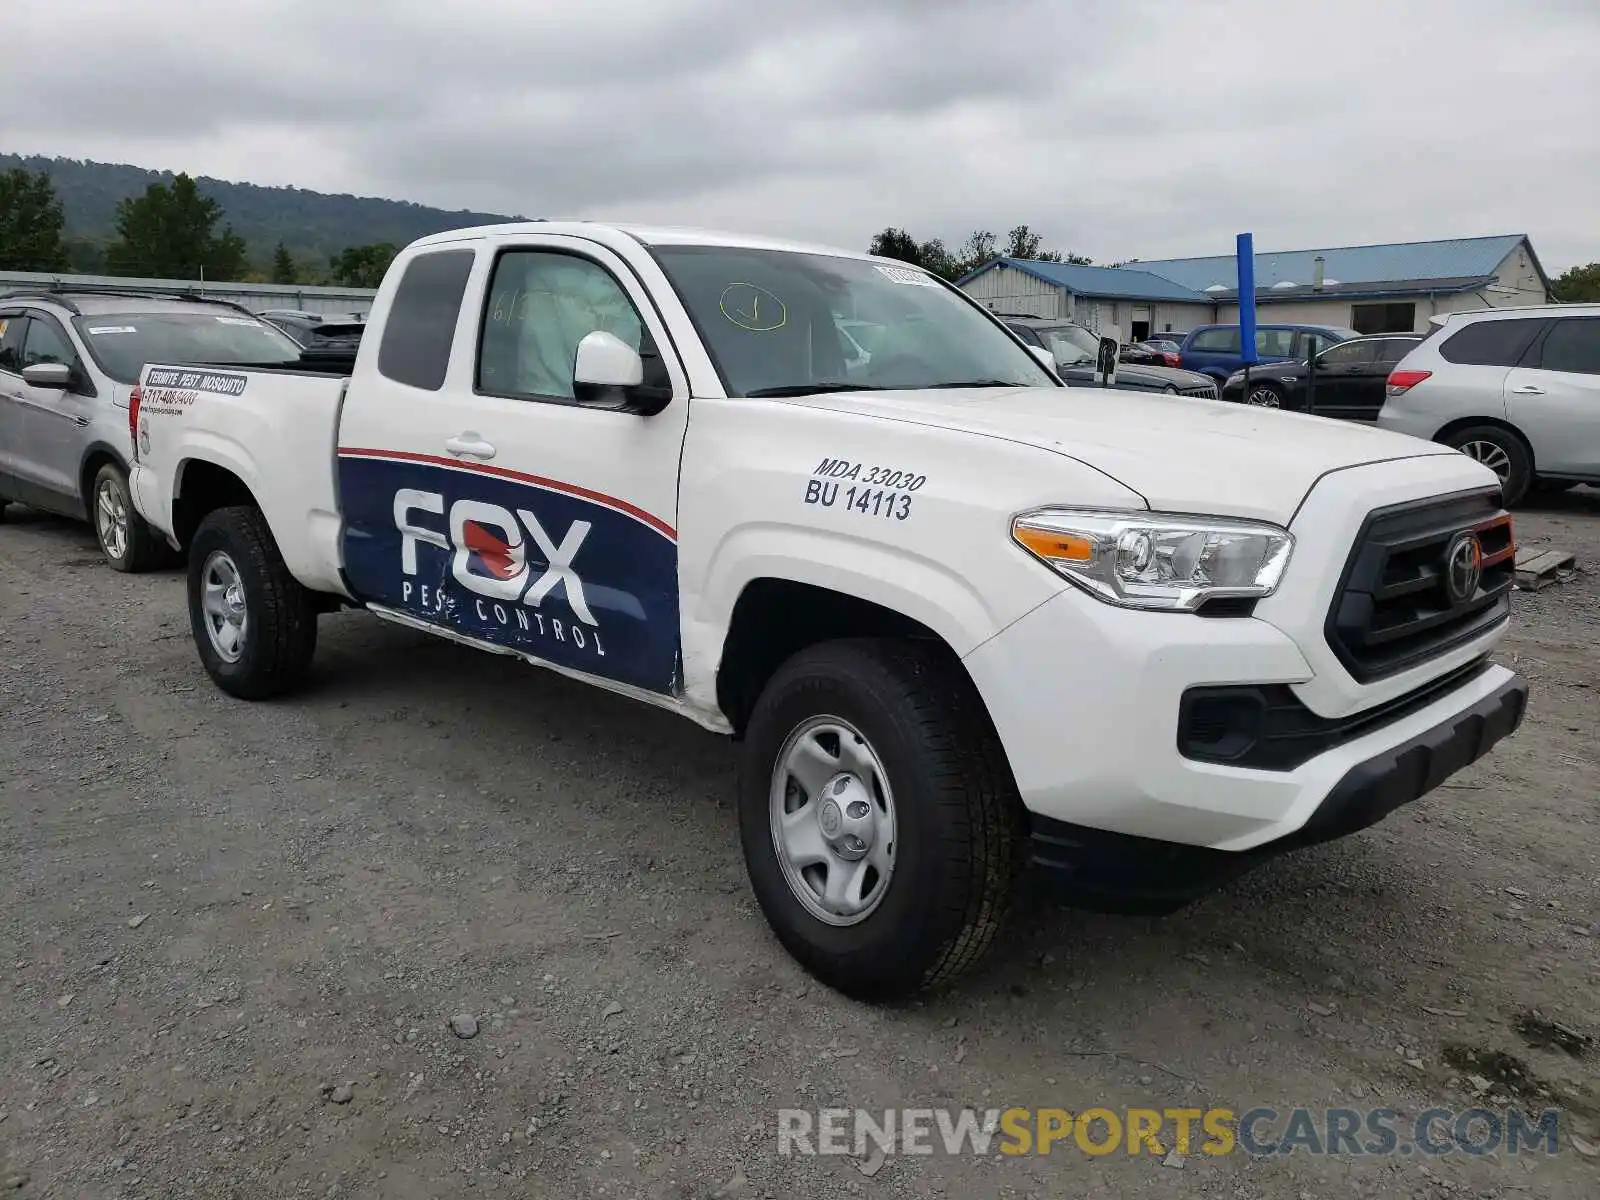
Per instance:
x=649, y=235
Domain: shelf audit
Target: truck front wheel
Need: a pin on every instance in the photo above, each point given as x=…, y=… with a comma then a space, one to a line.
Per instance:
x=880, y=822
x=254, y=624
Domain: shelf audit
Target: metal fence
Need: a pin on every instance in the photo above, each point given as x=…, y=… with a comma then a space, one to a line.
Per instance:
x=257, y=297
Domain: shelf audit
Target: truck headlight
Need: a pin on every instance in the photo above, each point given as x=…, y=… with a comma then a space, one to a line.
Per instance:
x=1166, y=561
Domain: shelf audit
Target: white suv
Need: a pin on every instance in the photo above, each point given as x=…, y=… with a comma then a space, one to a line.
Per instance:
x=1516, y=388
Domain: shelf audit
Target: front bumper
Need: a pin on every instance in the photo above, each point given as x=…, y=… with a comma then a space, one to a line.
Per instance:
x=1118, y=872
x=1086, y=699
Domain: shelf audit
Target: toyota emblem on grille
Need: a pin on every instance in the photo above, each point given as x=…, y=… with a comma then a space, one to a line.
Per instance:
x=1463, y=564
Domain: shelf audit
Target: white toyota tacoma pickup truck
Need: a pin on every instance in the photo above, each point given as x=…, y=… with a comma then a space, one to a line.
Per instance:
x=962, y=619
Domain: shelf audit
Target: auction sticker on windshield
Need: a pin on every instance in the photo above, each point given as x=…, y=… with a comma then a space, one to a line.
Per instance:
x=905, y=275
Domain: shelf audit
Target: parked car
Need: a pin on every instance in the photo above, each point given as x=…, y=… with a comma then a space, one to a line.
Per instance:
x=292, y=321
x=1350, y=379
x=956, y=618
x=1214, y=349
x=1518, y=389
x=1147, y=354
x=69, y=360
x=1076, y=352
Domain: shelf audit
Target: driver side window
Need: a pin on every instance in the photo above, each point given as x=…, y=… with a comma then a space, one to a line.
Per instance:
x=541, y=304
x=45, y=343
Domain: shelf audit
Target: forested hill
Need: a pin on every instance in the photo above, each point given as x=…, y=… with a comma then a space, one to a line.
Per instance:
x=313, y=225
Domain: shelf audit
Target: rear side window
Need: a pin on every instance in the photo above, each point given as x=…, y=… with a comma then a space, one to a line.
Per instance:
x=1491, y=343
x=422, y=320
x=1573, y=344
x=1277, y=343
x=12, y=327
x=1392, y=350
x=1217, y=341
x=1349, y=354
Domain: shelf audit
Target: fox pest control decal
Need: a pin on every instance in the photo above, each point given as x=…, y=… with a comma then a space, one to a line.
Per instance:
x=550, y=569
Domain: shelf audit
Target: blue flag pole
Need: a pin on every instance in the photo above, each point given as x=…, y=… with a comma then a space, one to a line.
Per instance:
x=1246, y=254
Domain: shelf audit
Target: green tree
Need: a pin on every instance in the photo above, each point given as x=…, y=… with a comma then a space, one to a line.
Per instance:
x=170, y=233
x=362, y=266
x=1577, y=283
x=896, y=243
x=30, y=223
x=283, y=269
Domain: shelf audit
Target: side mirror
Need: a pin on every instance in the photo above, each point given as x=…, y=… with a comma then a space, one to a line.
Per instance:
x=1106, y=364
x=1046, y=359
x=48, y=375
x=609, y=373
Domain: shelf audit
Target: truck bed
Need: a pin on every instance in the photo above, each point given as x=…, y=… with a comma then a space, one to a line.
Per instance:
x=277, y=426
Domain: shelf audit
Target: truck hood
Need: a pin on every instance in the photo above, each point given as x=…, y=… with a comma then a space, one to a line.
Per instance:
x=1149, y=375
x=1179, y=453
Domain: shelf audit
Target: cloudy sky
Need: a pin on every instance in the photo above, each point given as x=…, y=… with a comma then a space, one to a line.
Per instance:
x=1117, y=128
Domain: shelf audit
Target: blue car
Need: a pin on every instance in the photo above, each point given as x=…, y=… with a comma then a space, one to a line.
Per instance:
x=1214, y=349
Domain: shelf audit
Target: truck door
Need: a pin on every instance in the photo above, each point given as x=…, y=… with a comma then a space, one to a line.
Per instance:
x=482, y=497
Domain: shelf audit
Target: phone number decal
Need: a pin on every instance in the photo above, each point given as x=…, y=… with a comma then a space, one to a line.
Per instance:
x=860, y=488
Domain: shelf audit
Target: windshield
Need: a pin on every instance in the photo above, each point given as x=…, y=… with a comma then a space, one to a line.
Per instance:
x=781, y=322
x=122, y=343
x=1071, y=345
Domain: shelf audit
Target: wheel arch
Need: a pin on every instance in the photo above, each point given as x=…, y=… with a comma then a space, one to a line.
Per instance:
x=775, y=618
x=96, y=455
x=1450, y=428
x=200, y=486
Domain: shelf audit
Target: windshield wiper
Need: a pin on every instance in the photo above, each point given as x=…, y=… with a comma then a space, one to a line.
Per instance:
x=979, y=383
x=811, y=389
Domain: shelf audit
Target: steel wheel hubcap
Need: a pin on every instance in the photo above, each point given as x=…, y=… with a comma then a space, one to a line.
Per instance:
x=1264, y=398
x=1490, y=455
x=111, y=519
x=833, y=821
x=222, y=598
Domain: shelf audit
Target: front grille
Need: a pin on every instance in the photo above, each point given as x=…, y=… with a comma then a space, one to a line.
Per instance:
x=1399, y=603
x=1204, y=391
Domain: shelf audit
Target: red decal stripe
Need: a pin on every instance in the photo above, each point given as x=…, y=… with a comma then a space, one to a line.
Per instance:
x=554, y=485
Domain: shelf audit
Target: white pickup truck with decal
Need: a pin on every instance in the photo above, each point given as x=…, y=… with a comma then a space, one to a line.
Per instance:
x=967, y=625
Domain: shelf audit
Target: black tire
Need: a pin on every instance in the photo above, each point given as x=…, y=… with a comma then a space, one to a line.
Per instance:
x=279, y=632
x=142, y=550
x=3, y=504
x=958, y=845
x=1261, y=393
x=1517, y=472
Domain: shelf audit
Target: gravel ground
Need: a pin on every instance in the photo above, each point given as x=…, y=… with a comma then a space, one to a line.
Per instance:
x=234, y=938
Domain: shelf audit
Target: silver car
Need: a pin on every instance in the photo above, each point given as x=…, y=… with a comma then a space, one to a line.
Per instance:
x=1516, y=388
x=68, y=362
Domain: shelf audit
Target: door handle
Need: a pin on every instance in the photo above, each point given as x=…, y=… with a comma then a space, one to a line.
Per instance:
x=1527, y=389
x=469, y=445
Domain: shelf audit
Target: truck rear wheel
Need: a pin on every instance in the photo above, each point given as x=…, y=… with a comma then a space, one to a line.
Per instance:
x=254, y=624
x=880, y=822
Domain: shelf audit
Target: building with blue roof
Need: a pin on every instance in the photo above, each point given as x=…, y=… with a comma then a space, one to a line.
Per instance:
x=1393, y=288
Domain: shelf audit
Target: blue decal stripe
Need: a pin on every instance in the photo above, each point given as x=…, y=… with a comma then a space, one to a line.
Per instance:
x=539, y=481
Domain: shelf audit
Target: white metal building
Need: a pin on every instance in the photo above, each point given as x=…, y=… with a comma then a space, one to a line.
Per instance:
x=1392, y=288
